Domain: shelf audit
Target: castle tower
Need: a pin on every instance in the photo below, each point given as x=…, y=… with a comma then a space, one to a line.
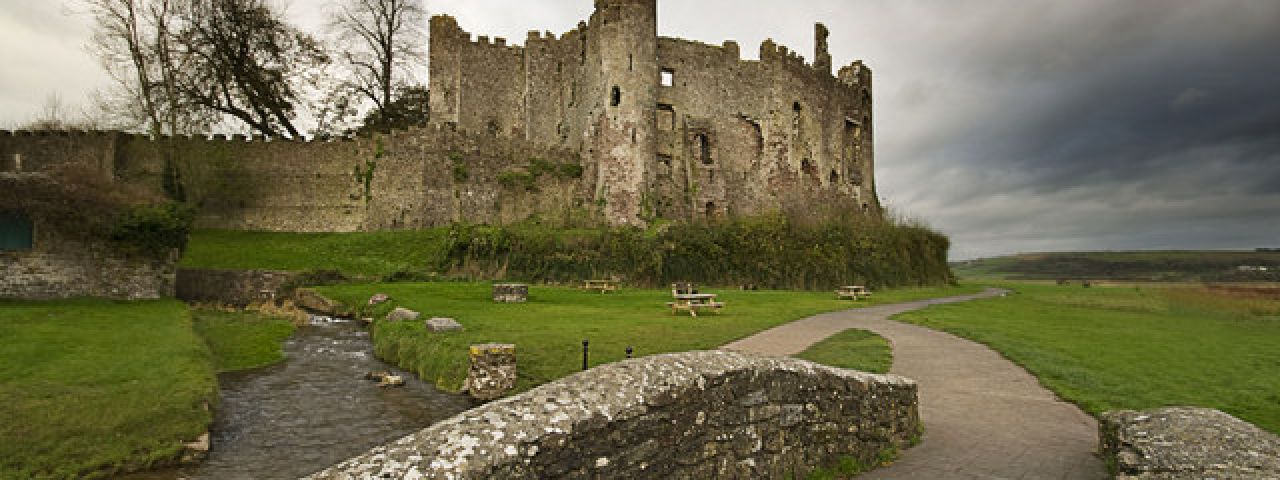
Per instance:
x=624, y=142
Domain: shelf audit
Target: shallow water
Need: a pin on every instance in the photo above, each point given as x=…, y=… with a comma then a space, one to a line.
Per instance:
x=314, y=409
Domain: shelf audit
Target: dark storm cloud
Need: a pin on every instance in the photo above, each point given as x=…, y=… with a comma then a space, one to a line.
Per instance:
x=1120, y=125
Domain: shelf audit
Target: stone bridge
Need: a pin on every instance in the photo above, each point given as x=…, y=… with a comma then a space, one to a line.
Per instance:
x=682, y=415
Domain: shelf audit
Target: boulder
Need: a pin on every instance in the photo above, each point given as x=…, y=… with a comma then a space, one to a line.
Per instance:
x=401, y=313
x=440, y=324
x=312, y=301
x=378, y=299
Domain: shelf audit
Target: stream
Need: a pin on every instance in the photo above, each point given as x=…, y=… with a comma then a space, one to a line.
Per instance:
x=313, y=410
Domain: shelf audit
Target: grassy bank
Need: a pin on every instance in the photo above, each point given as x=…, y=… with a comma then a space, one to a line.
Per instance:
x=1134, y=348
x=368, y=254
x=91, y=387
x=853, y=349
x=768, y=251
x=549, y=329
x=1150, y=265
x=242, y=340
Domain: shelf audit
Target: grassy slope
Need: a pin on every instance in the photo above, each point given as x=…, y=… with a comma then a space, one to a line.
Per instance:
x=854, y=349
x=1129, y=348
x=1153, y=265
x=91, y=386
x=242, y=340
x=359, y=253
x=548, y=331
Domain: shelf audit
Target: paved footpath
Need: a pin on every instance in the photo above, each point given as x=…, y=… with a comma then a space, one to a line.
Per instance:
x=984, y=416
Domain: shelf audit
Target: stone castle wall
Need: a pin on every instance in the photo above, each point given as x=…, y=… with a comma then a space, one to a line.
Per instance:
x=728, y=136
x=711, y=414
x=420, y=178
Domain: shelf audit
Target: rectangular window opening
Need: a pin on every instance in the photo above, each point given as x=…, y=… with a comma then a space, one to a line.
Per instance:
x=666, y=117
x=668, y=77
x=15, y=231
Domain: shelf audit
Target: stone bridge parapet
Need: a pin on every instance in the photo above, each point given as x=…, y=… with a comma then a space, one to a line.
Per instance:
x=683, y=415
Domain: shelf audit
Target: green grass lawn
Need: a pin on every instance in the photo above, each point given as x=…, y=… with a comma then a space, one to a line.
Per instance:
x=549, y=329
x=242, y=340
x=371, y=254
x=1133, y=348
x=88, y=387
x=855, y=349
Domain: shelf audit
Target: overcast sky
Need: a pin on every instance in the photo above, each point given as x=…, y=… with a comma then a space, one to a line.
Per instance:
x=1012, y=126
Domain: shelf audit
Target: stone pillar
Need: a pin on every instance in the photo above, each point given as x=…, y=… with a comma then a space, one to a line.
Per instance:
x=510, y=292
x=492, y=372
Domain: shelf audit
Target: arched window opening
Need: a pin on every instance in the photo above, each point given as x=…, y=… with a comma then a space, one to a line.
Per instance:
x=806, y=166
x=834, y=178
x=15, y=231
x=615, y=98
x=711, y=209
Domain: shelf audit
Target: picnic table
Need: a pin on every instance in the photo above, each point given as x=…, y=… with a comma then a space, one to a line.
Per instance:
x=604, y=286
x=852, y=292
x=692, y=302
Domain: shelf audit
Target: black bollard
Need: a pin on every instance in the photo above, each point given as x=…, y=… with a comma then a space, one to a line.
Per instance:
x=584, y=354
x=629, y=351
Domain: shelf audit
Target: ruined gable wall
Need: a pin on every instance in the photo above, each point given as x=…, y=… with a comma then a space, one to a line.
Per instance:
x=762, y=151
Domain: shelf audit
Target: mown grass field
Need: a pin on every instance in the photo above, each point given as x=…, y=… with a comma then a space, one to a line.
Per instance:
x=89, y=387
x=1134, y=347
x=1150, y=265
x=854, y=349
x=549, y=329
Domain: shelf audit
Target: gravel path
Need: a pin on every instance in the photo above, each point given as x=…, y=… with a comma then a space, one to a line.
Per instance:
x=984, y=416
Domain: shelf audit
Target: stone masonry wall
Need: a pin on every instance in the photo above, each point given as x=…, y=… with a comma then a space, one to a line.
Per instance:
x=711, y=414
x=238, y=288
x=420, y=177
x=60, y=265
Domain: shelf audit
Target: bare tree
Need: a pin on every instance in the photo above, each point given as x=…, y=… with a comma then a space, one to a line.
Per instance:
x=241, y=59
x=185, y=65
x=381, y=43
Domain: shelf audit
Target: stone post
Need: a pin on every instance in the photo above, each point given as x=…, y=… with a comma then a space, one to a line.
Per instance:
x=492, y=372
x=510, y=292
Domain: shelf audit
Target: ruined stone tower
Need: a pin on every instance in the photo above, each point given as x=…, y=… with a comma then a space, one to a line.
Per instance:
x=665, y=127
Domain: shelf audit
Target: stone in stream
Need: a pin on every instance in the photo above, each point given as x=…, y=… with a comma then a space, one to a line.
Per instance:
x=314, y=302
x=401, y=313
x=493, y=370
x=440, y=324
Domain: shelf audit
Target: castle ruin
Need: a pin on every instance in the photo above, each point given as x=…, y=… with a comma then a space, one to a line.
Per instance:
x=607, y=122
x=667, y=127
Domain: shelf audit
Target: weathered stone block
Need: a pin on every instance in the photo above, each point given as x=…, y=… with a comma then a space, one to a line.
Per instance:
x=493, y=370
x=1187, y=443
x=401, y=314
x=312, y=301
x=510, y=292
x=439, y=324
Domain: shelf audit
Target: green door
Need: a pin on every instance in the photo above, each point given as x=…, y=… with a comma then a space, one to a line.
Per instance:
x=15, y=231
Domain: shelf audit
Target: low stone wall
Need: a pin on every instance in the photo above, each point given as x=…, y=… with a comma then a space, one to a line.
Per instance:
x=238, y=288
x=66, y=269
x=1186, y=443
x=683, y=415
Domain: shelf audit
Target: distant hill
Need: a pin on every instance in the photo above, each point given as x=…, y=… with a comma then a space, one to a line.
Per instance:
x=1154, y=265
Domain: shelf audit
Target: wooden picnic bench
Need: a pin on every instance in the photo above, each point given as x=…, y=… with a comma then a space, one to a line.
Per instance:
x=692, y=302
x=604, y=286
x=853, y=292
